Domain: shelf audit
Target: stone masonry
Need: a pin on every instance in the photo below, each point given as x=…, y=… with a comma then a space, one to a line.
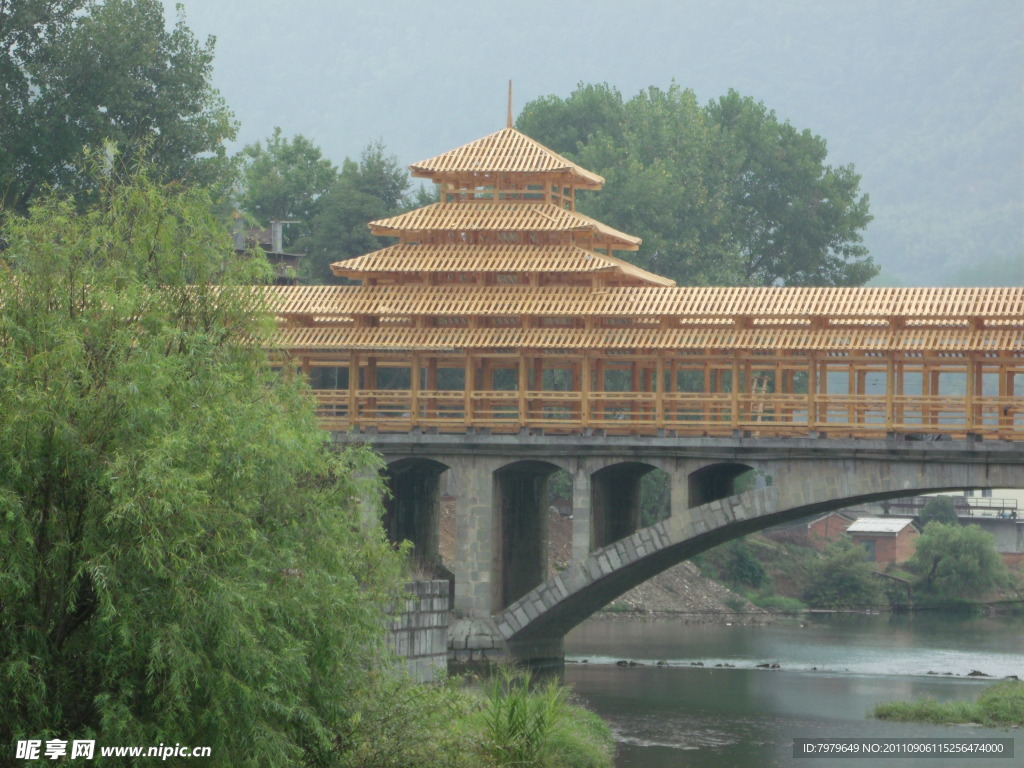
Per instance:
x=804, y=476
x=418, y=629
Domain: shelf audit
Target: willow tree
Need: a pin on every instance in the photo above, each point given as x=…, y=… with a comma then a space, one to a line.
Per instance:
x=183, y=559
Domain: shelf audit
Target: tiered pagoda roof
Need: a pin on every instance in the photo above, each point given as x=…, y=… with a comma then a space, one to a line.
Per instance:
x=406, y=263
x=490, y=291
x=507, y=216
x=505, y=152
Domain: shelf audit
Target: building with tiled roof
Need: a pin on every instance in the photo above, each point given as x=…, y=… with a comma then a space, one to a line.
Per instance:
x=501, y=307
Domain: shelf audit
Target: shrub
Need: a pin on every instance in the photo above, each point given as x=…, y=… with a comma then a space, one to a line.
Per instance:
x=844, y=579
x=938, y=509
x=538, y=727
x=781, y=603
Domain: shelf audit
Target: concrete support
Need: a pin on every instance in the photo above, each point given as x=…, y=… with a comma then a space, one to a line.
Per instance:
x=475, y=557
x=679, y=492
x=506, y=608
x=582, y=527
x=523, y=543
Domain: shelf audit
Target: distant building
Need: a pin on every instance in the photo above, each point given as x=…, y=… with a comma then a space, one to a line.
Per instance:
x=815, y=532
x=886, y=539
x=270, y=241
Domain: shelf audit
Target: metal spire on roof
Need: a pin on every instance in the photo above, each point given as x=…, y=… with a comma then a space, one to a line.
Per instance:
x=508, y=123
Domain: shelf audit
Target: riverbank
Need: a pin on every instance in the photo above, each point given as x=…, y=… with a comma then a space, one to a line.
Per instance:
x=999, y=706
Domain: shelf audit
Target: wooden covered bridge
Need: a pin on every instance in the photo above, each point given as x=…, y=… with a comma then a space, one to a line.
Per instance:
x=503, y=309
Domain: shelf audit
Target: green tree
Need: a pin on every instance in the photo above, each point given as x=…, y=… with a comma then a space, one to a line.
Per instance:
x=565, y=125
x=285, y=179
x=372, y=188
x=741, y=567
x=938, y=509
x=957, y=562
x=183, y=558
x=795, y=219
x=844, y=578
x=658, y=154
x=76, y=73
x=721, y=194
x=26, y=34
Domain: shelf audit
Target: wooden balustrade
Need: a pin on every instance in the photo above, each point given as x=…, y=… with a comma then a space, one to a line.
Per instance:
x=680, y=413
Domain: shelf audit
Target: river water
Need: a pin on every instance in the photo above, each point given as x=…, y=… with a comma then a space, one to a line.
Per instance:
x=832, y=671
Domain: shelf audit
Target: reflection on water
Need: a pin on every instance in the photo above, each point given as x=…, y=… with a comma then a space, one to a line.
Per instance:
x=683, y=715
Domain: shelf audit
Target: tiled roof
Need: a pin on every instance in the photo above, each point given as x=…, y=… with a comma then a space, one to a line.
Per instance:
x=475, y=259
x=483, y=216
x=321, y=335
x=924, y=311
x=506, y=151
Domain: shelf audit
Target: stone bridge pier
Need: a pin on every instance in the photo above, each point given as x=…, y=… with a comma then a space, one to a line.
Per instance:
x=507, y=605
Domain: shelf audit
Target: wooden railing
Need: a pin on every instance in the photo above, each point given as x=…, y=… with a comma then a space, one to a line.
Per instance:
x=718, y=414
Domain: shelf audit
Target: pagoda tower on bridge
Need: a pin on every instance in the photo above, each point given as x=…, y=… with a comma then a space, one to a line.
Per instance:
x=503, y=308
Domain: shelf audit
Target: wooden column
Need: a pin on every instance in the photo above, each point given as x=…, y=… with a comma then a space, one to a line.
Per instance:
x=575, y=385
x=599, y=384
x=432, y=387
x=970, y=394
x=890, y=390
x=812, y=391
x=659, y=392
x=710, y=386
x=414, y=390
x=469, y=381
x=371, y=384
x=735, y=395
x=585, y=390
x=1005, y=391
x=353, y=388
x=523, y=385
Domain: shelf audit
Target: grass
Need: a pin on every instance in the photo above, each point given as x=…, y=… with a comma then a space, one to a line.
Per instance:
x=779, y=603
x=1001, y=705
x=522, y=724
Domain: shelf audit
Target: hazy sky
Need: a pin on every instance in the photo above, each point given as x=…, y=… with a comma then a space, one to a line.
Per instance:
x=878, y=79
x=426, y=76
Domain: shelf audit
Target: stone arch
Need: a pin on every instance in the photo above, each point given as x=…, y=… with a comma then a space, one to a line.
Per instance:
x=616, y=497
x=541, y=618
x=412, y=508
x=520, y=489
x=715, y=481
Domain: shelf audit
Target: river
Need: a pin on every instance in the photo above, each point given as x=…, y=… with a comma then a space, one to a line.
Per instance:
x=832, y=671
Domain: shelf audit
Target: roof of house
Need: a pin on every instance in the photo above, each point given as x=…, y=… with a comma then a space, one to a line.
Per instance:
x=879, y=525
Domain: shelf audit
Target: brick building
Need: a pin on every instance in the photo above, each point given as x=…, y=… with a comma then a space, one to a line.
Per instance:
x=887, y=539
x=817, y=532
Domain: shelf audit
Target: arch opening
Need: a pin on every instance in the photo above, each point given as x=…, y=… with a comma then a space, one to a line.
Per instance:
x=624, y=498
x=719, y=481
x=412, y=510
x=521, y=493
